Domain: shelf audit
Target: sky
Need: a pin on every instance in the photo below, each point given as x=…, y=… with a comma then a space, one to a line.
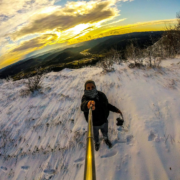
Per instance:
x=35, y=26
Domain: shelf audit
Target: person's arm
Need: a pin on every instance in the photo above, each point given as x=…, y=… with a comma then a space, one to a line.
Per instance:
x=84, y=103
x=114, y=109
x=111, y=107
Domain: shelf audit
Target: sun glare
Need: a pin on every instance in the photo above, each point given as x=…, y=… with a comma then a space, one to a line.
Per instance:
x=77, y=29
x=58, y=33
x=48, y=10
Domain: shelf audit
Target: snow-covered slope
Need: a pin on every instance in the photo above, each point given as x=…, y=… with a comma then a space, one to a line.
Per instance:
x=43, y=136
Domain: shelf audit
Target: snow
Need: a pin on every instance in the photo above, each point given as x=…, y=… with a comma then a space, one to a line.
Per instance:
x=43, y=136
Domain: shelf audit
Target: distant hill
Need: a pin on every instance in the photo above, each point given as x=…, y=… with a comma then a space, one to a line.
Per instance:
x=50, y=58
x=119, y=42
x=96, y=46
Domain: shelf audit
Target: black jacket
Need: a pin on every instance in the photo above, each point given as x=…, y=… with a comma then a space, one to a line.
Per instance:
x=102, y=108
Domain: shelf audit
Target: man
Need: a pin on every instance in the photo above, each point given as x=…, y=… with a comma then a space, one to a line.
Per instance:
x=100, y=111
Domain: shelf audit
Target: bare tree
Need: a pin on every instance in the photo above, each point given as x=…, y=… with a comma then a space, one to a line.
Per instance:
x=178, y=20
x=178, y=31
x=149, y=52
x=130, y=52
x=107, y=65
x=114, y=55
x=171, y=39
x=160, y=49
x=111, y=57
x=33, y=82
x=135, y=54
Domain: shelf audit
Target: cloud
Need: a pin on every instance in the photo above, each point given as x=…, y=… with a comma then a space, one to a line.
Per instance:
x=120, y=20
x=37, y=42
x=72, y=14
x=11, y=7
x=15, y=13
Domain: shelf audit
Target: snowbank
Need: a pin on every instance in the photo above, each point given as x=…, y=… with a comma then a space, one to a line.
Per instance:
x=43, y=136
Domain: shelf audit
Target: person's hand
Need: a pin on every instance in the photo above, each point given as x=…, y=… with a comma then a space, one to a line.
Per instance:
x=93, y=105
x=119, y=112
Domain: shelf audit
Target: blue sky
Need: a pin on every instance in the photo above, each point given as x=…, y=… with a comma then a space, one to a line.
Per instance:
x=149, y=10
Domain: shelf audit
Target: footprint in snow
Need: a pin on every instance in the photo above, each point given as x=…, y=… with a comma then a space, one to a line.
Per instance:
x=119, y=140
x=121, y=129
x=49, y=171
x=151, y=136
x=129, y=139
x=4, y=168
x=110, y=154
x=24, y=167
x=79, y=160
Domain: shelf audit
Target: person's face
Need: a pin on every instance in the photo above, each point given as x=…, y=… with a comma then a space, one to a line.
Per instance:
x=90, y=86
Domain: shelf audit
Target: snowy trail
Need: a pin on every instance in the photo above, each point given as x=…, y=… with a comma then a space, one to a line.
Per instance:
x=44, y=136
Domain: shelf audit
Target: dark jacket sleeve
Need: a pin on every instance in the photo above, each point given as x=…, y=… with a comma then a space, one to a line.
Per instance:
x=110, y=107
x=84, y=102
